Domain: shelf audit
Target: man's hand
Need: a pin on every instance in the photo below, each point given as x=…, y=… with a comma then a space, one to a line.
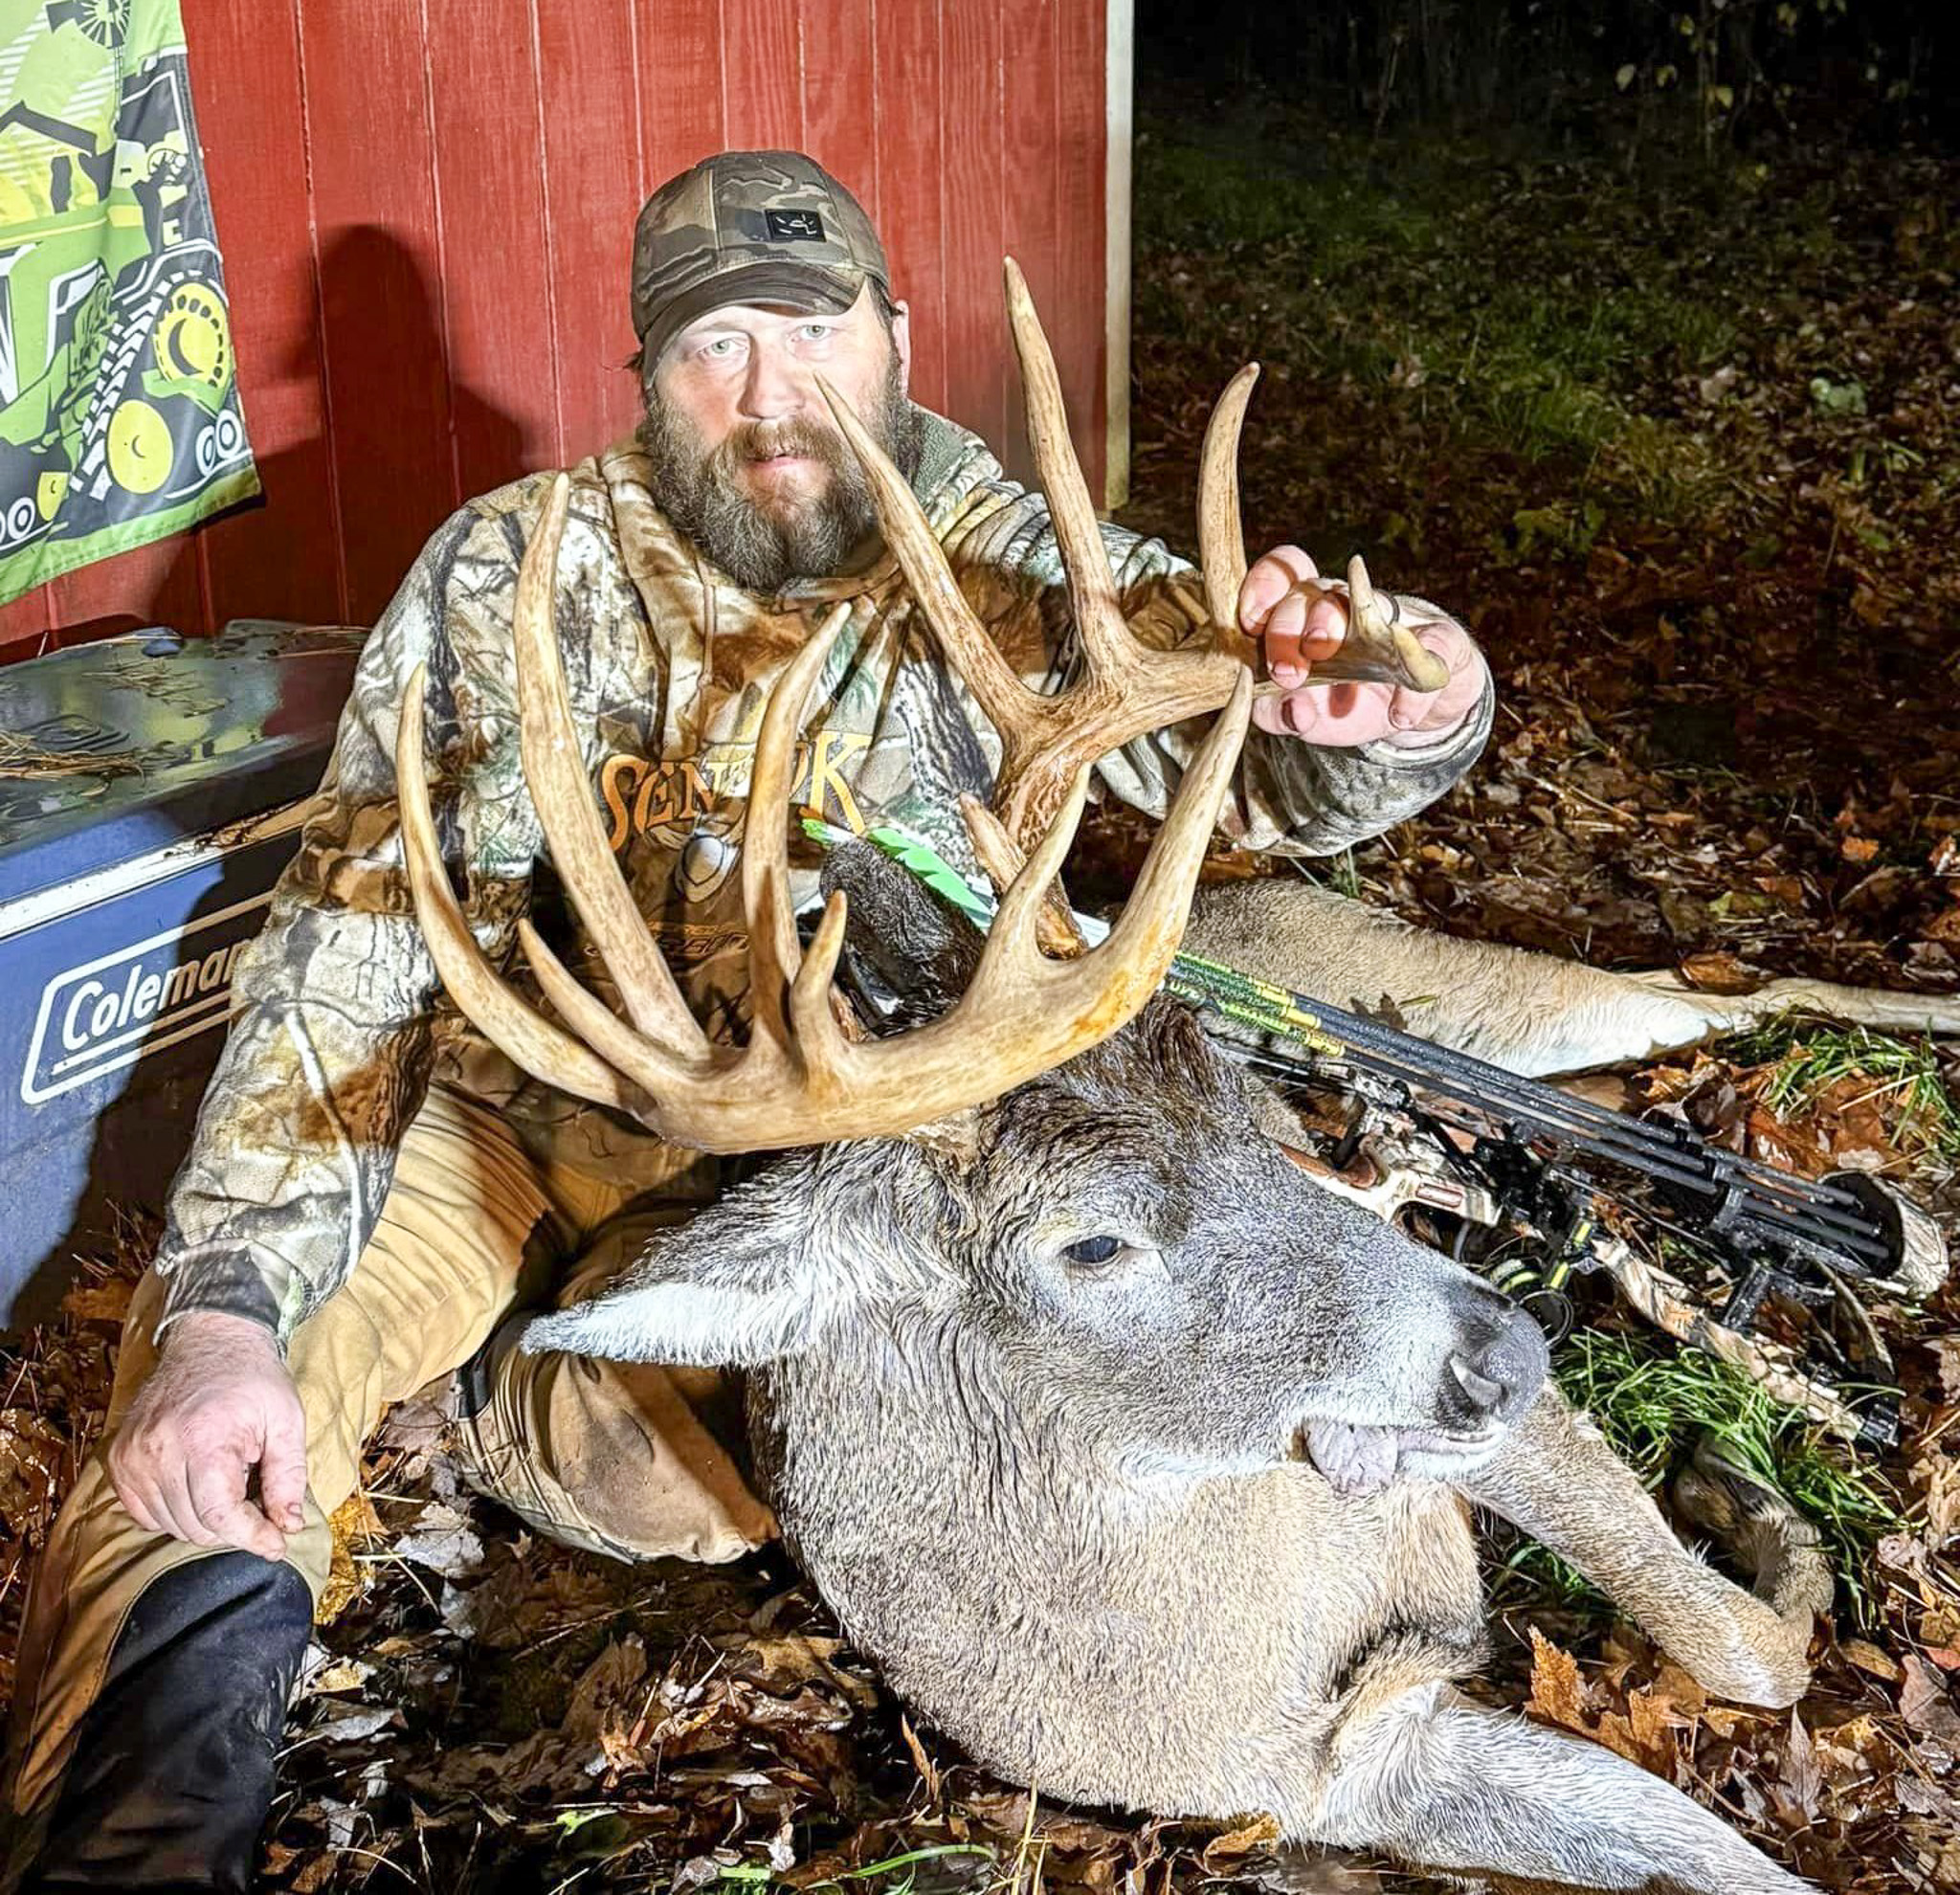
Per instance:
x=1299, y=623
x=218, y=1404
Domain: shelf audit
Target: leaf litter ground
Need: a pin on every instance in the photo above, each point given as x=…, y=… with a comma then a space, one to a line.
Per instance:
x=1680, y=445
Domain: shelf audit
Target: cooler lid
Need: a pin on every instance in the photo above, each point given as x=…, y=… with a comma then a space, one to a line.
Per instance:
x=114, y=749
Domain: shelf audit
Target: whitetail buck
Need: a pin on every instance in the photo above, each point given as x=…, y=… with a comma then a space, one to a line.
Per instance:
x=1137, y=1462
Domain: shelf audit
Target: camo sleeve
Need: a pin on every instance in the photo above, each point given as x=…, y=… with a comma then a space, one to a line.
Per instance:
x=1290, y=798
x=330, y=1042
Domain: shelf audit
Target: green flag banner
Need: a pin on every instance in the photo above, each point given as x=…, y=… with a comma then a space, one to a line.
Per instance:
x=119, y=397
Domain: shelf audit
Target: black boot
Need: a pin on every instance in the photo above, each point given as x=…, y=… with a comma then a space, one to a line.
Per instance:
x=172, y=1769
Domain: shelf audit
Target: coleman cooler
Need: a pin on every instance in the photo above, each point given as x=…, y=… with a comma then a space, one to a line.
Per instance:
x=151, y=789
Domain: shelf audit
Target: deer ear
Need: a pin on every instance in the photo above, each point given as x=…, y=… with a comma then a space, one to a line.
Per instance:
x=734, y=1287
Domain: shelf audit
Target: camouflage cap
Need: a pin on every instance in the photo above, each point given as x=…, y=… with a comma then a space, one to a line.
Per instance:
x=761, y=227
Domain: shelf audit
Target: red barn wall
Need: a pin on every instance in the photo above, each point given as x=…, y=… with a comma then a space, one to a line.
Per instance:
x=426, y=214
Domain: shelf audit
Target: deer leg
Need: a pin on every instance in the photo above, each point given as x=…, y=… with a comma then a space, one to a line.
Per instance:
x=1529, y=1013
x=1556, y=1478
x=1447, y=1784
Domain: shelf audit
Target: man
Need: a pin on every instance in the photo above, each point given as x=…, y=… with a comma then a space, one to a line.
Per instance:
x=372, y=1191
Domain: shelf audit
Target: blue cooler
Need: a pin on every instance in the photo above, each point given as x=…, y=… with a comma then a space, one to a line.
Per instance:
x=152, y=791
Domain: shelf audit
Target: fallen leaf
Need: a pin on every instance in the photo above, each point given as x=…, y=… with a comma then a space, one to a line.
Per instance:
x=1868, y=1659
x=1558, y=1695
x=30, y=1463
x=1946, y=1352
x=1926, y=1702
x=1221, y=1854
x=314, y=1874
x=443, y=1541
x=1802, y=1779
x=1718, y=972
x=100, y=1303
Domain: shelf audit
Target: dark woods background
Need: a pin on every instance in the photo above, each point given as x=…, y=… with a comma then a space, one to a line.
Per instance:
x=1719, y=71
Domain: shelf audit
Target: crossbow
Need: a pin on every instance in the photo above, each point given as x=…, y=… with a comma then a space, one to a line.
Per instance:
x=1535, y=1189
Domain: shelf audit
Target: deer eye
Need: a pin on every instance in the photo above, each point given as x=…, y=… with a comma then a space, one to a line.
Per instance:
x=1090, y=1252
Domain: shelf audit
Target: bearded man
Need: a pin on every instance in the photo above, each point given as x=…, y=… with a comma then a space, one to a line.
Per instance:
x=372, y=1191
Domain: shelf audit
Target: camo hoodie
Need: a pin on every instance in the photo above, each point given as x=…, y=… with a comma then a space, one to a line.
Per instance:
x=339, y=1020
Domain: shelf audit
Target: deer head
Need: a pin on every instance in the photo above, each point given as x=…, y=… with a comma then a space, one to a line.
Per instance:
x=1113, y=1260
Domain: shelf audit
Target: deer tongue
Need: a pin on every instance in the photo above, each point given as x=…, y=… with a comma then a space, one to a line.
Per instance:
x=1355, y=1459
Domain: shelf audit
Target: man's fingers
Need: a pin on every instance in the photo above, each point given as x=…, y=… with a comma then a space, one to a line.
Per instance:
x=217, y=1500
x=1344, y=713
x=1303, y=626
x=138, y=1503
x=1443, y=710
x=1326, y=625
x=131, y=1485
x=137, y=1477
x=1408, y=709
x=1267, y=581
x=178, y=1511
x=282, y=1469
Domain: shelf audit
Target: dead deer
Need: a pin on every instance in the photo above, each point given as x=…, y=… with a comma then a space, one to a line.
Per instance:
x=1137, y=1462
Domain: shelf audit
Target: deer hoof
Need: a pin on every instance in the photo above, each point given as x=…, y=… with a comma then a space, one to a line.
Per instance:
x=1720, y=1495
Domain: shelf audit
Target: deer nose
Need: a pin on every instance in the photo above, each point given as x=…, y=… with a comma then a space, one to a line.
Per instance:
x=1502, y=1367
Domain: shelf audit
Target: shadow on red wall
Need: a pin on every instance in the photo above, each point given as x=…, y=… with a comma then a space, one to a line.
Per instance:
x=346, y=505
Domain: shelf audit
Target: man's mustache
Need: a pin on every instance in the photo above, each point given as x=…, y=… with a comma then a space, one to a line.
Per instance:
x=763, y=441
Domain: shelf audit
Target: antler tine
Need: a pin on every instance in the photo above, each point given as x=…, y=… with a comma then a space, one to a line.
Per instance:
x=543, y=1050
x=773, y=958
x=819, y=1039
x=1006, y=702
x=1087, y=999
x=1106, y=638
x=1001, y=857
x=1153, y=919
x=1016, y=922
x=554, y=769
x=1378, y=648
x=1221, y=533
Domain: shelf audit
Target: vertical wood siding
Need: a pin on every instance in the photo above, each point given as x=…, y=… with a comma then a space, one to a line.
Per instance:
x=425, y=210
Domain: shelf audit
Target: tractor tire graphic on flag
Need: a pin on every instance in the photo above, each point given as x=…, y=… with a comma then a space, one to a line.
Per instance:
x=119, y=421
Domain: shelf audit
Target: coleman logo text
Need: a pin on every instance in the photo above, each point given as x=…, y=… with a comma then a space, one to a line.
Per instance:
x=115, y=1011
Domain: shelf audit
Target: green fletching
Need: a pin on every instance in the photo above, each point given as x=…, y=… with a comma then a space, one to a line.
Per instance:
x=935, y=872
x=910, y=853
x=1202, y=983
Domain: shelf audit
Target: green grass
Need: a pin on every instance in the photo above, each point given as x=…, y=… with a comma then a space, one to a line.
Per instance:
x=1652, y=1399
x=1373, y=260
x=1811, y=1056
x=1236, y=189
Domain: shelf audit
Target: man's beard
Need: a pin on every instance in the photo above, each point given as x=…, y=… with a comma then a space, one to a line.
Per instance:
x=762, y=550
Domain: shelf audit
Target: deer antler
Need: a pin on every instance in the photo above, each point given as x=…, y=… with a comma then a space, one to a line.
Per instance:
x=1126, y=688
x=1376, y=649
x=798, y=1080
